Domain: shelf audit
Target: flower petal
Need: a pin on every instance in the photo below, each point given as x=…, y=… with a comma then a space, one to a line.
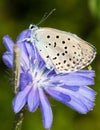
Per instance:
x=72, y=88
x=24, y=62
x=23, y=43
x=9, y=46
x=86, y=96
x=58, y=95
x=33, y=99
x=73, y=79
x=8, y=59
x=46, y=110
x=79, y=101
x=86, y=73
x=20, y=99
x=25, y=79
x=23, y=35
x=8, y=43
x=87, y=92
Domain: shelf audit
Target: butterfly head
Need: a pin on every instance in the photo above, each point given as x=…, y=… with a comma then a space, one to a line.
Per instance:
x=33, y=27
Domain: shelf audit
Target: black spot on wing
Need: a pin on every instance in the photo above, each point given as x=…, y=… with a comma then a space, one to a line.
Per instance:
x=55, y=44
x=54, y=58
x=48, y=36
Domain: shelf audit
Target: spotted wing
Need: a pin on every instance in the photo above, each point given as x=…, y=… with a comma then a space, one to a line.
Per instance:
x=64, y=51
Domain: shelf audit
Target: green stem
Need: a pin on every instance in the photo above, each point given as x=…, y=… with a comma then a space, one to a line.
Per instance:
x=17, y=124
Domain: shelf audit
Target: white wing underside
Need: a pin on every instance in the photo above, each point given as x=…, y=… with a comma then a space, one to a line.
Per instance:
x=63, y=51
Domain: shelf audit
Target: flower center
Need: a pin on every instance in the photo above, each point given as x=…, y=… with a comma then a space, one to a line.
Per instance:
x=39, y=76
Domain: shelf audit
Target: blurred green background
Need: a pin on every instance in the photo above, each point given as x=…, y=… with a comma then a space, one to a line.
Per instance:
x=81, y=17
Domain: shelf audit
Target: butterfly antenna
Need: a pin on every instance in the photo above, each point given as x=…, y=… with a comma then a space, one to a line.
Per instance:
x=45, y=16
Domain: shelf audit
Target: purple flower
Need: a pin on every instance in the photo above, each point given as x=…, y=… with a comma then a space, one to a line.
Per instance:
x=36, y=82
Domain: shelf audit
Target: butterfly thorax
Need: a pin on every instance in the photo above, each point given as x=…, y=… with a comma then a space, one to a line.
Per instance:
x=33, y=29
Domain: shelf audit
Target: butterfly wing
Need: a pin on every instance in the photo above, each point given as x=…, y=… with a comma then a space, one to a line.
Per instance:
x=62, y=50
x=88, y=50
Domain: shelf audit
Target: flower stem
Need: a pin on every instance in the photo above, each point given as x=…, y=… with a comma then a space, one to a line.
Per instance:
x=17, y=124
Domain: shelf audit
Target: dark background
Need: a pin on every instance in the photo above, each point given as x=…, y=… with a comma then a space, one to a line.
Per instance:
x=81, y=17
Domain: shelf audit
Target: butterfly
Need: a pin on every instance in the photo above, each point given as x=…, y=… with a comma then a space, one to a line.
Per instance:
x=63, y=51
